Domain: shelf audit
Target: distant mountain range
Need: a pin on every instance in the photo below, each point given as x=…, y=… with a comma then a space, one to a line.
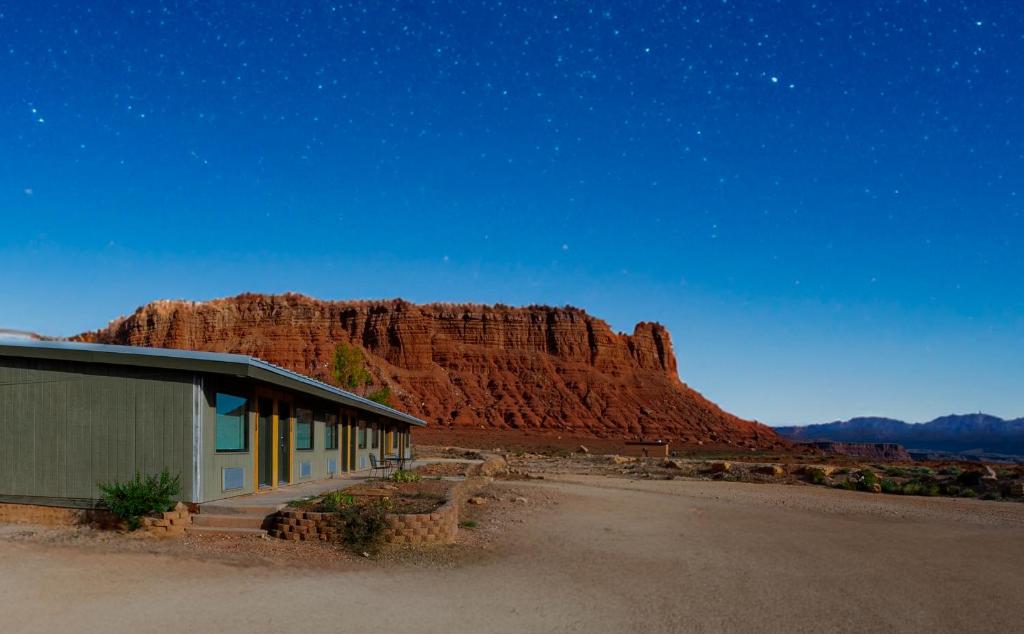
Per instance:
x=957, y=433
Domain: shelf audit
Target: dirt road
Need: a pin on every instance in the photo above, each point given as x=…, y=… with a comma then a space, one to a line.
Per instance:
x=611, y=556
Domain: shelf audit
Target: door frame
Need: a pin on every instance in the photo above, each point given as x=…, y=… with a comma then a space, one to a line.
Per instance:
x=276, y=397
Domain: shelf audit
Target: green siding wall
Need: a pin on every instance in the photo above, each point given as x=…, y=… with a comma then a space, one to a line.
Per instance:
x=214, y=463
x=65, y=426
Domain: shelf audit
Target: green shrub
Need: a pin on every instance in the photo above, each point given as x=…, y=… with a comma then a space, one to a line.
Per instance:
x=467, y=524
x=953, y=471
x=402, y=475
x=381, y=395
x=918, y=487
x=141, y=496
x=336, y=500
x=991, y=495
x=817, y=476
x=968, y=493
x=896, y=472
x=890, y=486
x=969, y=478
x=866, y=480
x=849, y=485
x=362, y=525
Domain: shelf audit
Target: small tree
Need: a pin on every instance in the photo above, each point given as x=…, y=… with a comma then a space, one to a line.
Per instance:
x=382, y=396
x=349, y=367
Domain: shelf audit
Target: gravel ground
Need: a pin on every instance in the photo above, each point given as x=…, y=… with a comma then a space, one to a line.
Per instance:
x=571, y=553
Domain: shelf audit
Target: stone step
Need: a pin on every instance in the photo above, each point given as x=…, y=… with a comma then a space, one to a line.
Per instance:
x=230, y=521
x=220, y=531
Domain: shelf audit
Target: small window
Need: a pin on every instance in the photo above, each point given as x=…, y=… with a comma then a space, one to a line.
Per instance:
x=331, y=432
x=394, y=439
x=303, y=429
x=362, y=435
x=376, y=437
x=231, y=428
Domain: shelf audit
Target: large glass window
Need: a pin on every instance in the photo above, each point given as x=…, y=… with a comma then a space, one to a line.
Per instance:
x=231, y=427
x=331, y=432
x=303, y=429
x=375, y=437
x=394, y=439
x=362, y=435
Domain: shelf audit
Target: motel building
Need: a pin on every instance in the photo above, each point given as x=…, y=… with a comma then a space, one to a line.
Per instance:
x=73, y=415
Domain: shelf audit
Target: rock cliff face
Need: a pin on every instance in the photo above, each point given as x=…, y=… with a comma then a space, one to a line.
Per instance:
x=867, y=450
x=466, y=366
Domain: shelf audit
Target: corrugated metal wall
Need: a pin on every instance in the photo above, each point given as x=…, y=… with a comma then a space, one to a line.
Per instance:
x=66, y=426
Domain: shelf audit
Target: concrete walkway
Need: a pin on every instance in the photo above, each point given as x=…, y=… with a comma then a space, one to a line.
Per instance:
x=284, y=494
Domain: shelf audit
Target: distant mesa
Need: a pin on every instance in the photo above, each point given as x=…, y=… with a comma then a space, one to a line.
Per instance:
x=979, y=435
x=465, y=366
x=21, y=335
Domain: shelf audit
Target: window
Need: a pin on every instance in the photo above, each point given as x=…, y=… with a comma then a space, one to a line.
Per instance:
x=331, y=432
x=362, y=435
x=231, y=428
x=303, y=429
x=394, y=439
x=376, y=437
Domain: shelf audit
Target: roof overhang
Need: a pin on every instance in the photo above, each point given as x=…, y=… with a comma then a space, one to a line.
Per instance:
x=236, y=365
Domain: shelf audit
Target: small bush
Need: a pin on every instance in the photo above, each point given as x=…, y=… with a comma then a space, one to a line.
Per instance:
x=817, y=476
x=890, y=486
x=382, y=396
x=953, y=471
x=467, y=524
x=897, y=472
x=969, y=478
x=362, y=526
x=866, y=480
x=402, y=475
x=968, y=493
x=141, y=496
x=336, y=500
x=918, y=487
x=991, y=495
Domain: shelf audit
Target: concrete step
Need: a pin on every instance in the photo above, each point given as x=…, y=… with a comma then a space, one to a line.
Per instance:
x=220, y=531
x=230, y=521
x=229, y=509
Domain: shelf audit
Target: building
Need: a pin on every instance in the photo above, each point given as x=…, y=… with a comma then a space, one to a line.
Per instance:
x=75, y=415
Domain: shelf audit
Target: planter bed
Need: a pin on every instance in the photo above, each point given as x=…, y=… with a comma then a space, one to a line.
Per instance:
x=419, y=513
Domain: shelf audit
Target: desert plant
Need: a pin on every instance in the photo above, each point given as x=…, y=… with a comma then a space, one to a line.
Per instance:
x=361, y=526
x=866, y=480
x=953, y=471
x=896, y=472
x=382, y=396
x=467, y=524
x=403, y=475
x=348, y=367
x=968, y=493
x=141, y=496
x=817, y=476
x=890, y=486
x=969, y=478
x=919, y=487
x=336, y=500
x=991, y=495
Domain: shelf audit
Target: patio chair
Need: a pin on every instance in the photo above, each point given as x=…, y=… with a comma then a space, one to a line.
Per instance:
x=375, y=466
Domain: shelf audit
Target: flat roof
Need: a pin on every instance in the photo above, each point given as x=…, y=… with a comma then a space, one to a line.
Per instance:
x=237, y=365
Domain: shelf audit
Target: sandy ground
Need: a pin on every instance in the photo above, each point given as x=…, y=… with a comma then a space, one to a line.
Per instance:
x=600, y=555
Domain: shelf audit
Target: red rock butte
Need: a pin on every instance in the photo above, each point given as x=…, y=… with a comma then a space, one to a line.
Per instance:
x=463, y=366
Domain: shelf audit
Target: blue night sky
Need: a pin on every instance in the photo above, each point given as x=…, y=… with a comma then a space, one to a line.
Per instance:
x=823, y=202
